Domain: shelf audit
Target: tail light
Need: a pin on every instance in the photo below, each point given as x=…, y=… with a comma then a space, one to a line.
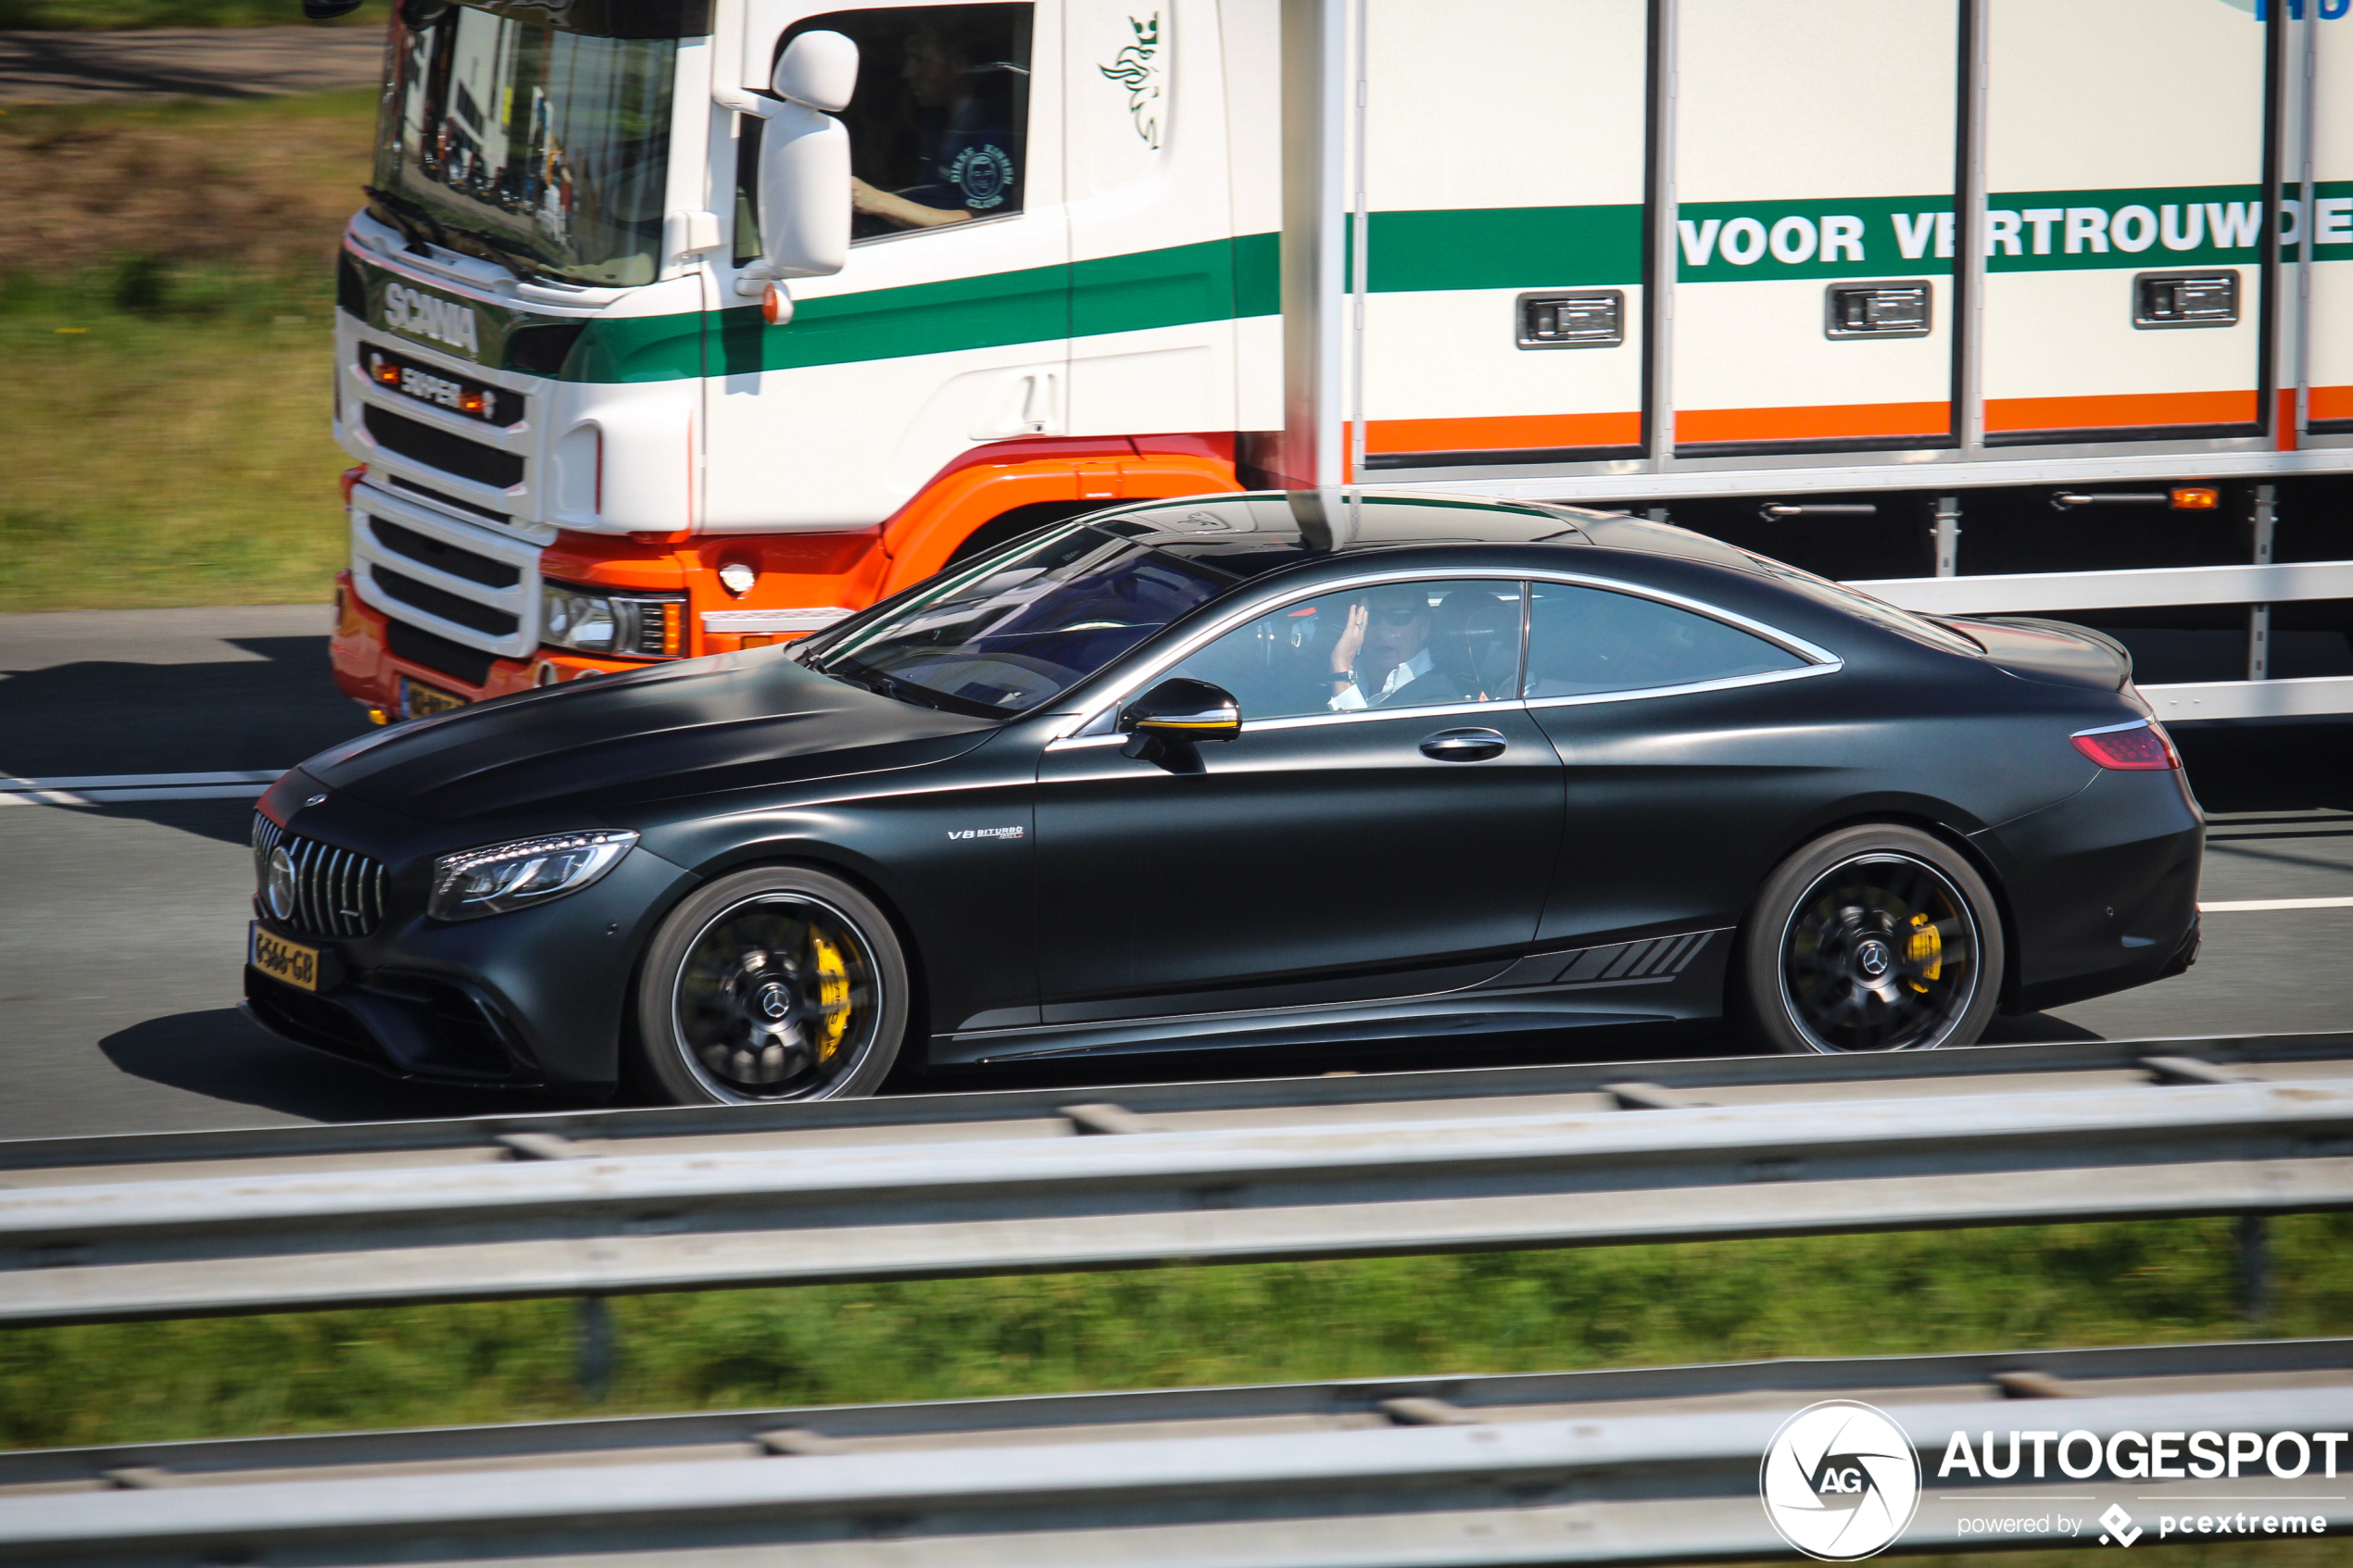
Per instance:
x=2142, y=747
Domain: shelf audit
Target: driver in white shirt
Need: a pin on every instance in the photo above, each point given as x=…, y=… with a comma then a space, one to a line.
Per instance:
x=1381, y=657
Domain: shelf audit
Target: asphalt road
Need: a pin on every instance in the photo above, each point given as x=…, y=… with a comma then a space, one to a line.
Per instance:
x=120, y=953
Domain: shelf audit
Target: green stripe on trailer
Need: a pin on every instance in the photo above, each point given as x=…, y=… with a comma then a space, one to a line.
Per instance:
x=1733, y=242
x=1462, y=248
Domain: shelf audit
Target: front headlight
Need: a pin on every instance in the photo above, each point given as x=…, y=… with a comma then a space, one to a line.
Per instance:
x=490, y=881
x=631, y=625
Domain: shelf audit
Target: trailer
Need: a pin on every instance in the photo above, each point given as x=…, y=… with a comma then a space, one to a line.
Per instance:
x=678, y=327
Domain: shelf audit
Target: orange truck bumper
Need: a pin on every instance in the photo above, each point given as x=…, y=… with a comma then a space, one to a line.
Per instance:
x=390, y=687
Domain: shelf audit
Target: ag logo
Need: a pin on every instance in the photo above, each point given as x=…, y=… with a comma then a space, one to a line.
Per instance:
x=1840, y=1481
x=983, y=174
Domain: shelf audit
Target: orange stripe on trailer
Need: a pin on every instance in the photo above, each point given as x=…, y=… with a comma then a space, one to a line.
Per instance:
x=1504, y=434
x=2122, y=411
x=1824, y=421
x=2332, y=403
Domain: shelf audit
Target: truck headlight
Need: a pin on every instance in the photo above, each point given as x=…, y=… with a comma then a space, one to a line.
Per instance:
x=499, y=877
x=629, y=625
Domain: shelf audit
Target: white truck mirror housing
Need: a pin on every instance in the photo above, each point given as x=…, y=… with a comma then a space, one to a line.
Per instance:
x=818, y=70
x=804, y=159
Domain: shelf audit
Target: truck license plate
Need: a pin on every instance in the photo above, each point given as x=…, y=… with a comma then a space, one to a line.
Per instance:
x=417, y=699
x=281, y=959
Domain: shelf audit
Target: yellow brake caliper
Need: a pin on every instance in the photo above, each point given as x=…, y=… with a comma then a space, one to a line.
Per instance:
x=833, y=997
x=1926, y=952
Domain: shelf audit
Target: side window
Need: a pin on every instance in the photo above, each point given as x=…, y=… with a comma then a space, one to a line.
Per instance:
x=1582, y=640
x=1402, y=645
x=938, y=127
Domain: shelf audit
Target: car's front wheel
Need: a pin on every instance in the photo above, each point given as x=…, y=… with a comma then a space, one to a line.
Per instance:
x=1874, y=938
x=778, y=984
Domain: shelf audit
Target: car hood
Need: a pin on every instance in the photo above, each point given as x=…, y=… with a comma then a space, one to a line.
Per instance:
x=2051, y=651
x=732, y=722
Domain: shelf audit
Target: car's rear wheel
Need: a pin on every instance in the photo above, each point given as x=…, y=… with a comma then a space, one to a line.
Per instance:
x=779, y=984
x=1875, y=939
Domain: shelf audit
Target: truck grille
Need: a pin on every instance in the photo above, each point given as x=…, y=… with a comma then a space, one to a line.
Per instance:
x=422, y=443
x=336, y=892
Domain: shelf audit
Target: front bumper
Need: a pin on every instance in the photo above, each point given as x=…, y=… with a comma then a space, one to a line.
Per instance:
x=530, y=999
x=369, y=668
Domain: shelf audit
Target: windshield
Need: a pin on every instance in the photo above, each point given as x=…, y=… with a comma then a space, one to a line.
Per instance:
x=1021, y=627
x=547, y=149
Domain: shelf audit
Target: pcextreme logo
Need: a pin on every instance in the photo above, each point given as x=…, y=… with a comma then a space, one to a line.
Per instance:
x=1840, y=1481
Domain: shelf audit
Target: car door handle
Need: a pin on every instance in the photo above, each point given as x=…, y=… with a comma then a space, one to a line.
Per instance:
x=1463, y=746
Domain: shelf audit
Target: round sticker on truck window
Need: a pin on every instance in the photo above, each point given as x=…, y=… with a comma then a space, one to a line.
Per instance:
x=983, y=174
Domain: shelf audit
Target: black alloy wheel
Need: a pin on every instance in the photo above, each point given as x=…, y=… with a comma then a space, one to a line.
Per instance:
x=771, y=984
x=1875, y=938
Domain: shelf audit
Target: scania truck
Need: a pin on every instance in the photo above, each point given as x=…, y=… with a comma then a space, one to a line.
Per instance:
x=675, y=327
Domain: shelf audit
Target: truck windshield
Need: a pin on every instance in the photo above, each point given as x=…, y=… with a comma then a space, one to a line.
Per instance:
x=547, y=149
x=1018, y=629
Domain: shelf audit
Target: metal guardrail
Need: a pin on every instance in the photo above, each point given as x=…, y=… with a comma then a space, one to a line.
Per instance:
x=593, y=1204
x=1600, y=1467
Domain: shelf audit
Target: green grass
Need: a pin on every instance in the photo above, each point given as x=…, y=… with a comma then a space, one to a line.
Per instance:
x=168, y=458
x=164, y=413
x=113, y=16
x=1847, y=1296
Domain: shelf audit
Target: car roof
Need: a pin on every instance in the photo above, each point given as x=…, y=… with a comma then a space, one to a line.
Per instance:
x=1262, y=530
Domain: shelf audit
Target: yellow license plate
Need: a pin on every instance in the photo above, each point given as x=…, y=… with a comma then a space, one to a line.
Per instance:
x=417, y=699
x=281, y=959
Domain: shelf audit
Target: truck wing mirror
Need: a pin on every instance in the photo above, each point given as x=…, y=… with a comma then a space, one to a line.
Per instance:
x=804, y=158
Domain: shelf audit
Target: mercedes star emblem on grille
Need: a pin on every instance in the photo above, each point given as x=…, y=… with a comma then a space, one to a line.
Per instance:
x=281, y=890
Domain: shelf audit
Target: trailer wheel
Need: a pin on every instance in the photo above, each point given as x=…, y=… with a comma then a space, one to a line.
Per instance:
x=779, y=984
x=1874, y=938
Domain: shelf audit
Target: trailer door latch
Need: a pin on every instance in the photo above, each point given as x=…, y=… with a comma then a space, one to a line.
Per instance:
x=1589, y=319
x=2185, y=299
x=1875, y=310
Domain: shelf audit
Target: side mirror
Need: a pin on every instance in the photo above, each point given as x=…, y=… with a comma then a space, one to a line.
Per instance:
x=1174, y=714
x=804, y=158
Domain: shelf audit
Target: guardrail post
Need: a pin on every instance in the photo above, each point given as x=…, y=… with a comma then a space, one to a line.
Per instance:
x=1948, y=535
x=2255, y=1267
x=2259, y=617
x=593, y=1352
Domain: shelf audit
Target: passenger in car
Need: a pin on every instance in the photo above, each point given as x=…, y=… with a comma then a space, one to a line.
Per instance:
x=1382, y=657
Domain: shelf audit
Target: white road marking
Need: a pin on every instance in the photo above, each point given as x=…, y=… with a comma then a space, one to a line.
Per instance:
x=2254, y=906
x=107, y=789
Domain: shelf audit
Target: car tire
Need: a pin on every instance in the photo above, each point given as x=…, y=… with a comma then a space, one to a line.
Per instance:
x=1872, y=938
x=773, y=985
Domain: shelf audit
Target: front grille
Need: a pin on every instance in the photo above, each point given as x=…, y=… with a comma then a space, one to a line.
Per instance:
x=456, y=661
x=336, y=892
x=426, y=550
x=443, y=604
x=439, y=449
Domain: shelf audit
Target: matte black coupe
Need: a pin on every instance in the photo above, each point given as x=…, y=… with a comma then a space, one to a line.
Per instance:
x=1241, y=771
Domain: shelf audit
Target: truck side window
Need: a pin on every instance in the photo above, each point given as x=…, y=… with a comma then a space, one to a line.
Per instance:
x=938, y=129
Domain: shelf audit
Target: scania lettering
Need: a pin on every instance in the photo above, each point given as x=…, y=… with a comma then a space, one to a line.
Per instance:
x=710, y=321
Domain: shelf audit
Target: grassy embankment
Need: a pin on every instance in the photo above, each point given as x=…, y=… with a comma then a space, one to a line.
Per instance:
x=111, y=16
x=1906, y=1294
x=166, y=327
